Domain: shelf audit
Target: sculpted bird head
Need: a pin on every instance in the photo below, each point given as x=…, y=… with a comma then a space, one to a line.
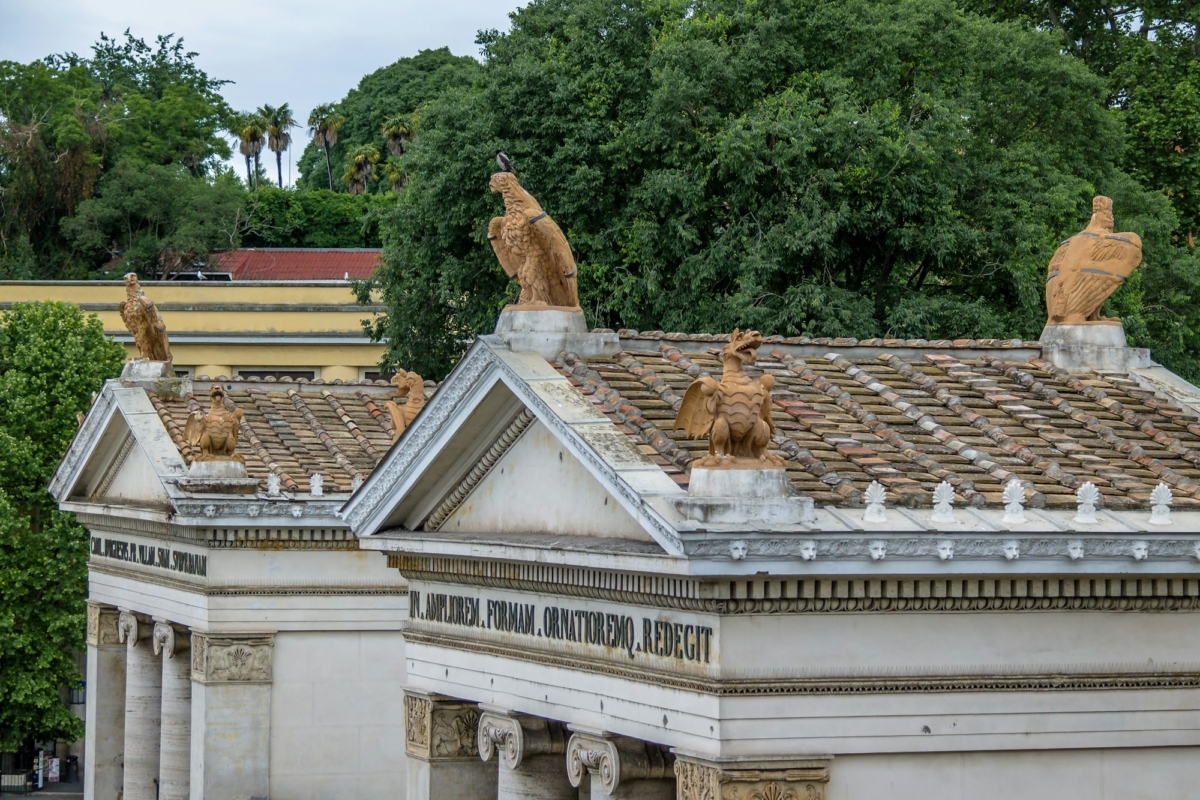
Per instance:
x=132, y=287
x=1102, y=215
x=744, y=345
x=502, y=181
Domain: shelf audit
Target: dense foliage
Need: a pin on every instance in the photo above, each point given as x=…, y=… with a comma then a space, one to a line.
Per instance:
x=827, y=168
x=314, y=218
x=52, y=359
x=397, y=90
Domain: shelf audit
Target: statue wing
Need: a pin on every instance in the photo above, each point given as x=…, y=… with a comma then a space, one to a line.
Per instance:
x=554, y=242
x=193, y=429
x=698, y=409
x=1123, y=249
x=768, y=383
x=508, y=260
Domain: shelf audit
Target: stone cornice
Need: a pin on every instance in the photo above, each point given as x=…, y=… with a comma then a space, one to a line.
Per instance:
x=1081, y=677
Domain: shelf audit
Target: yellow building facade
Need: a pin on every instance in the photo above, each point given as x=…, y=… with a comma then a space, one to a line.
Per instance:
x=309, y=329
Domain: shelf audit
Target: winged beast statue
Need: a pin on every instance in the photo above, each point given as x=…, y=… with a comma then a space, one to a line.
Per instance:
x=734, y=413
x=532, y=248
x=141, y=317
x=410, y=385
x=215, y=433
x=1088, y=267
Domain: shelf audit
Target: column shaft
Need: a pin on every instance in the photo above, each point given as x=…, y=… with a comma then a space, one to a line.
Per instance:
x=538, y=778
x=174, y=771
x=143, y=711
x=104, y=741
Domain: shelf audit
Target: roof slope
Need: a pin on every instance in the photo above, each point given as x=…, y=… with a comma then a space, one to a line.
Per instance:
x=339, y=430
x=915, y=421
x=298, y=264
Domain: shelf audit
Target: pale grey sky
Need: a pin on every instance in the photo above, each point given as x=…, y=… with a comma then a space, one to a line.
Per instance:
x=301, y=52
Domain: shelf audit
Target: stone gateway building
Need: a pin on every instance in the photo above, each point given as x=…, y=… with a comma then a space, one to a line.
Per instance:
x=975, y=575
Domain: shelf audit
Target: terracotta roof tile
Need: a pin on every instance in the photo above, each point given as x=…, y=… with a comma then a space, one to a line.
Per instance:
x=298, y=264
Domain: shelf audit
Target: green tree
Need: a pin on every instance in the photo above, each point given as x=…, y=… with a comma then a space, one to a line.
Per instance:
x=252, y=137
x=323, y=124
x=836, y=168
x=398, y=90
x=360, y=168
x=52, y=359
x=313, y=218
x=279, y=122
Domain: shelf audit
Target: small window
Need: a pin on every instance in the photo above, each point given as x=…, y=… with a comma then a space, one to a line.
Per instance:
x=277, y=374
x=376, y=375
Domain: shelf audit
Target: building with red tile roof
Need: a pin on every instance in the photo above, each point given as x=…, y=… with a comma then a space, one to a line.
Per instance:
x=297, y=263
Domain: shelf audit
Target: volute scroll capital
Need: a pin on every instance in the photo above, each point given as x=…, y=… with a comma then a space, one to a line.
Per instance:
x=517, y=736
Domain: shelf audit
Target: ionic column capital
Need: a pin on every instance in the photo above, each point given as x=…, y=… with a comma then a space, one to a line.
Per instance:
x=102, y=628
x=440, y=728
x=167, y=639
x=517, y=736
x=799, y=778
x=128, y=628
x=612, y=759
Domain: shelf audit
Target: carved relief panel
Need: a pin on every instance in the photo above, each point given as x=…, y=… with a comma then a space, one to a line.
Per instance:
x=242, y=658
x=697, y=779
x=102, y=626
x=440, y=729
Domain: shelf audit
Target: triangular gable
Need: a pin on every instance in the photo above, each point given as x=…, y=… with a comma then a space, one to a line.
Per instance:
x=122, y=453
x=474, y=408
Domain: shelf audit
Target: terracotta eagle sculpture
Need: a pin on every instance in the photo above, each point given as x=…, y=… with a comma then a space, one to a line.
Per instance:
x=1088, y=267
x=214, y=433
x=141, y=317
x=410, y=385
x=532, y=248
x=735, y=413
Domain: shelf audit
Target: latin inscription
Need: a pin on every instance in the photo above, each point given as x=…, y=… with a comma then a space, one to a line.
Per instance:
x=664, y=638
x=150, y=556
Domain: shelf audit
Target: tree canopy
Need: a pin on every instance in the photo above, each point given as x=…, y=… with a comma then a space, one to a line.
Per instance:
x=847, y=168
x=52, y=359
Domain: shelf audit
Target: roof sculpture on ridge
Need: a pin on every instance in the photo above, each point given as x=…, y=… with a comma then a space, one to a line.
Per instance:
x=141, y=317
x=410, y=385
x=532, y=248
x=1088, y=267
x=215, y=433
x=733, y=414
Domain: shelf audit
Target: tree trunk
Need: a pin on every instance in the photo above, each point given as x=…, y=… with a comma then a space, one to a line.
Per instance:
x=328, y=168
x=279, y=166
x=256, y=169
x=249, y=179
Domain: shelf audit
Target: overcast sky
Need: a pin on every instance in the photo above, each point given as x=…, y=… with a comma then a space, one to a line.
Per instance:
x=302, y=52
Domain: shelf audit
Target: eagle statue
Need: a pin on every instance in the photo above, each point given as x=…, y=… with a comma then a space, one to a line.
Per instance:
x=214, y=433
x=532, y=248
x=141, y=317
x=1088, y=267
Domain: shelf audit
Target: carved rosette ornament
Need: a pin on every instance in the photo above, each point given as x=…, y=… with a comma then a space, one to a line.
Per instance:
x=102, y=626
x=613, y=759
x=440, y=729
x=127, y=629
x=518, y=736
x=792, y=779
x=240, y=658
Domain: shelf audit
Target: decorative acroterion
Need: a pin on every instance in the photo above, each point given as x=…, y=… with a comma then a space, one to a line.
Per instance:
x=1088, y=267
x=1160, y=505
x=141, y=317
x=532, y=248
x=1014, y=503
x=273, y=484
x=1088, y=497
x=316, y=484
x=214, y=433
x=733, y=414
x=410, y=385
x=943, y=503
x=875, y=497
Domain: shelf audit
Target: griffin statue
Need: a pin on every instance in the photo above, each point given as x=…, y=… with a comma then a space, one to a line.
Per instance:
x=410, y=385
x=214, y=433
x=734, y=414
x=141, y=317
x=532, y=248
x=1088, y=267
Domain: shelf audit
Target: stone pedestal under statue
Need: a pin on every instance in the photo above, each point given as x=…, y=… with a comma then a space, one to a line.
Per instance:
x=1092, y=346
x=552, y=330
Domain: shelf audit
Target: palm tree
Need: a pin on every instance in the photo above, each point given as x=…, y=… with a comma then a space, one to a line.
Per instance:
x=278, y=122
x=361, y=168
x=395, y=176
x=323, y=124
x=251, y=136
x=397, y=132
x=236, y=124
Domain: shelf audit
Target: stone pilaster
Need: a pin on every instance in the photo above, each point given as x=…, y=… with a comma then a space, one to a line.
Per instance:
x=628, y=769
x=529, y=750
x=104, y=740
x=143, y=708
x=699, y=778
x=440, y=739
x=175, y=749
x=231, y=715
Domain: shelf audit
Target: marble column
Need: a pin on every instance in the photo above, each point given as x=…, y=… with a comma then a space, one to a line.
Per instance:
x=530, y=754
x=104, y=740
x=700, y=778
x=620, y=767
x=231, y=715
x=143, y=708
x=175, y=744
x=443, y=756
